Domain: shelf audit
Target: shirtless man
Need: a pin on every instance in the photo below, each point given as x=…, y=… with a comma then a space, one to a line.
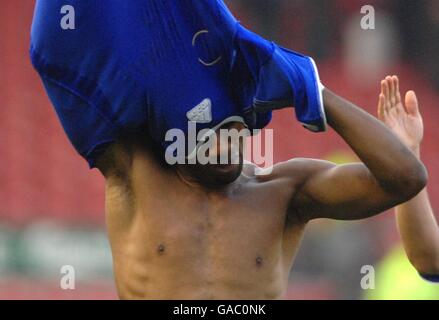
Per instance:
x=205, y=231
x=177, y=234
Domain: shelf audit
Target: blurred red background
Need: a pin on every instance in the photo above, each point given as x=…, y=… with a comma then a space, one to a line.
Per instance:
x=42, y=177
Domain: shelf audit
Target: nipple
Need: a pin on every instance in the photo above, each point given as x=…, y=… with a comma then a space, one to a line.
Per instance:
x=161, y=249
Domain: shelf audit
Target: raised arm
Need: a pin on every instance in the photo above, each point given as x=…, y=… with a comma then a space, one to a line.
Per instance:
x=389, y=175
x=415, y=218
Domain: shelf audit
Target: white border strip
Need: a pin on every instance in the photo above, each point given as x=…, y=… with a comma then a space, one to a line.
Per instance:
x=320, y=88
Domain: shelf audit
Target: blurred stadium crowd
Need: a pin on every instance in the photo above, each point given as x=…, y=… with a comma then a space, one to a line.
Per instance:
x=52, y=206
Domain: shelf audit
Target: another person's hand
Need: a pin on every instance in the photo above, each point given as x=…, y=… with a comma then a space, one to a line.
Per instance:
x=415, y=218
x=404, y=120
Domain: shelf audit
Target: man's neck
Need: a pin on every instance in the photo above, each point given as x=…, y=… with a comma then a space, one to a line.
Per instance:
x=210, y=190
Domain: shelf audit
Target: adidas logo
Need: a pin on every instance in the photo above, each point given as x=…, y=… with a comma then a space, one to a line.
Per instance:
x=202, y=113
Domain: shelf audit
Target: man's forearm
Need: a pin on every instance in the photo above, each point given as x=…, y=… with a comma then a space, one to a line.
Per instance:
x=419, y=232
x=394, y=166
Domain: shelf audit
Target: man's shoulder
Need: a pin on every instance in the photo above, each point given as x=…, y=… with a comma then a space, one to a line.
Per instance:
x=305, y=165
x=296, y=169
x=284, y=180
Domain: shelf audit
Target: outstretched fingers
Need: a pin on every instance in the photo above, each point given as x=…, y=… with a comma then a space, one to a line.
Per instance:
x=411, y=102
x=382, y=107
x=397, y=90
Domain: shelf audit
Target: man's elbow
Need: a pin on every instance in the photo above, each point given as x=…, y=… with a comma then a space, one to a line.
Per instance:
x=410, y=181
x=417, y=179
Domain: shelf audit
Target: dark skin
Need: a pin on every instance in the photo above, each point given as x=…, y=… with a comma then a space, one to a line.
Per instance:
x=176, y=234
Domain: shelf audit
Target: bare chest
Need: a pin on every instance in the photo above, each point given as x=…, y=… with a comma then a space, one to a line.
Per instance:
x=220, y=243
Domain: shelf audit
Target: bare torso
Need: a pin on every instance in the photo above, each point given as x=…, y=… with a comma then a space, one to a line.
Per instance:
x=171, y=240
x=174, y=240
